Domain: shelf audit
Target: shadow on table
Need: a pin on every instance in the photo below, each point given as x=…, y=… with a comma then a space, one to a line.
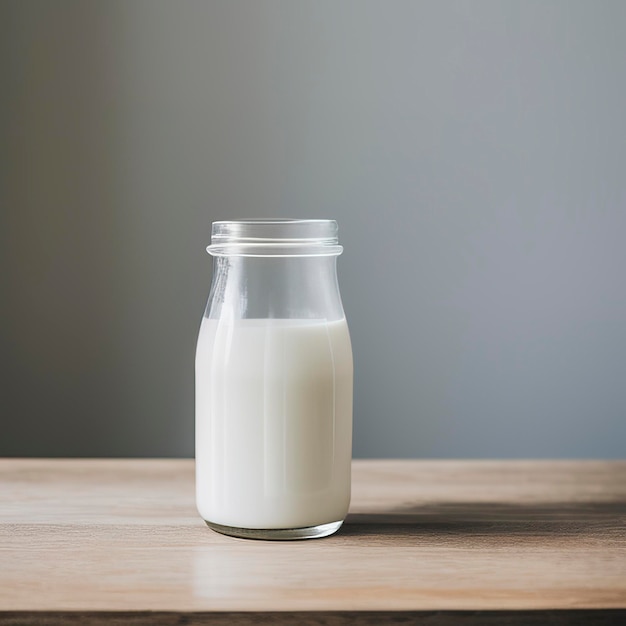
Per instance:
x=558, y=519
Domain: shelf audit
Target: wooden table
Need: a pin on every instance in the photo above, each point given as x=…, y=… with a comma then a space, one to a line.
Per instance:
x=432, y=542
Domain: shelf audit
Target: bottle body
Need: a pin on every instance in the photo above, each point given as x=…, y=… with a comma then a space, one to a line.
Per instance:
x=274, y=397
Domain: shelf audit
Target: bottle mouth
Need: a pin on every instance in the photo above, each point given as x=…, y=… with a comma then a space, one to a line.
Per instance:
x=275, y=237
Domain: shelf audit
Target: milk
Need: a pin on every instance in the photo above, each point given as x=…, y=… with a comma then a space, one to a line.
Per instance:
x=273, y=422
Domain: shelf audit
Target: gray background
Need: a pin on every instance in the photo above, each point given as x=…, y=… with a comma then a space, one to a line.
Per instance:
x=474, y=154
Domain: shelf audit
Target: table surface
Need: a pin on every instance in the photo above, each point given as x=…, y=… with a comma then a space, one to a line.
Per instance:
x=123, y=535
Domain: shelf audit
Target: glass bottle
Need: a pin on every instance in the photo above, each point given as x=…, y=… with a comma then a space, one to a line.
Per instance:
x=274, y=383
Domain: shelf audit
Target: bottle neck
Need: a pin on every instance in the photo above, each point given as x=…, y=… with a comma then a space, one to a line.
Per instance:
x=294, y=287
x=275, y=237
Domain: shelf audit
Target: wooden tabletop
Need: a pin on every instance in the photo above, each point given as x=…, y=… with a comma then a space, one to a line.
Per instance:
x=95, y=541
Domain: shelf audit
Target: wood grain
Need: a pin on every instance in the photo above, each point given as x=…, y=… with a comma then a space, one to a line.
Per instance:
x=115, y=537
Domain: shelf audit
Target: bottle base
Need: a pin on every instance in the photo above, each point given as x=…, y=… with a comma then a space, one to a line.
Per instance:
x=278, y=534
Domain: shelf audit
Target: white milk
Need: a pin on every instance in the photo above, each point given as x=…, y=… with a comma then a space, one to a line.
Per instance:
x=273, y=422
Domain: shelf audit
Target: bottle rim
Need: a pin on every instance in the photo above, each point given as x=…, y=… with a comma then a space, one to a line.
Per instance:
x=275, y=237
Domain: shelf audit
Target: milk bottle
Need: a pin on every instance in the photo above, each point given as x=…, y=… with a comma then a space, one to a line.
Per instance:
x=274, y=383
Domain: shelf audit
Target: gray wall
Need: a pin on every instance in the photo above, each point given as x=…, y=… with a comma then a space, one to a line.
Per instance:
x=474, y=154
